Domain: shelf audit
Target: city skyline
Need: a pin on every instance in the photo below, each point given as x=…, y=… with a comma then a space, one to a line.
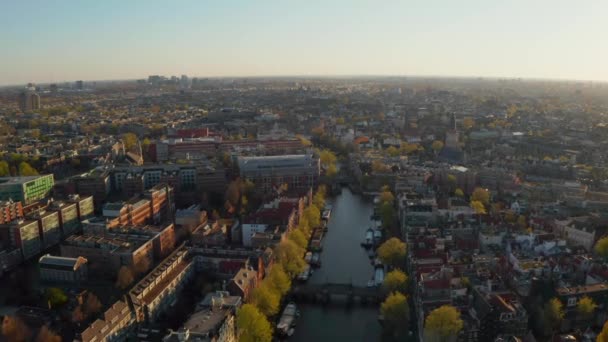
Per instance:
x=111, y=40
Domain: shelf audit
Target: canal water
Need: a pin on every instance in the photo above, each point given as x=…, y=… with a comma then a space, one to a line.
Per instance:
x=343, y=261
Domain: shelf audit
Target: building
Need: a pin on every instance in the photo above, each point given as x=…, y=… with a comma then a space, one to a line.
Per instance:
x=29, y=100
x=49, y=225
x=299, y=172
x=61, y=269
x=22, y=234
x=158, y=290
x=117, y=321
x=214, y=320
x=243, y=283
x=94, y=183
x=68, y=217
x=27, y=189
x=10, y=211
x=160, y=197
x=107, y=254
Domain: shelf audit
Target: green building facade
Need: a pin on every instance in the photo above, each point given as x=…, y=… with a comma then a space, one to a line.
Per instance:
x=26, y=189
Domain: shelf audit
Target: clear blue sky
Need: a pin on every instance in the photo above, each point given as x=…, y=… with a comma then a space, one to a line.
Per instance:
x=58, y=40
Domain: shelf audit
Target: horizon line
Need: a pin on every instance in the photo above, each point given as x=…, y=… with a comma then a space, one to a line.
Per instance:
x=326, y=76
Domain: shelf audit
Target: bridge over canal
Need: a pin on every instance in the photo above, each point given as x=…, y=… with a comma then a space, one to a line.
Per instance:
x=323, y=293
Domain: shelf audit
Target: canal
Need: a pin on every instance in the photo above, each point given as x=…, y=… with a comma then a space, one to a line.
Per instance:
x=343, y=261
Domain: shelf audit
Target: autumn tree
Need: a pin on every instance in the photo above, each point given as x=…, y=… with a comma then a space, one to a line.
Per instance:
x=458, y=192
x=278, y=280
x=601, y=247
x=554, y=312
x=386, y=196
x=482, y=195
x=92, y=304
x=603, y=336
x=26, y=169
x=14, y=329
x=298, y=237
x=125, y=277
x=395, y=281
x=585, y=307
x=437, y=146
x=129, y=140
x=252, y=325
x=290, y=257
x=313, y=215
x=266, y=299
x=56, y=297
x=392, y=151
x=468, y=123
x=327, y=158
x=478, y=207
x=318, y=199
x=392, y=252
x=331, y=170
x=47, y=335
x=396, y=313
x=443, y=323
x=5, y=170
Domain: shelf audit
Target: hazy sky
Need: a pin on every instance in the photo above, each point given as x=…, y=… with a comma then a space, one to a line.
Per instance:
x=58, y=40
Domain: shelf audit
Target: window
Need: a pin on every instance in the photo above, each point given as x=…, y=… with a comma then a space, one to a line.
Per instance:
x=572, y=301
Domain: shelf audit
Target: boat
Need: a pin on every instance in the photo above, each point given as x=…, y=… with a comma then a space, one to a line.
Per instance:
x=308, y=257
x=305, y=274
x=316, y=260
x=369, y=238
x=371, y=283
x=371, y=253
x=287, y=320
x=315, y=242
x=377, y=235
x=326, y=214
x=379, y=275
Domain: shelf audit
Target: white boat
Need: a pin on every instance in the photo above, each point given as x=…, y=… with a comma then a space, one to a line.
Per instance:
x=377, y=235
x=369, y=238
x=316, y=260
x=305, y=274
x=379, y=275
x=326, y=214
x=308, y=257
x=287, y=320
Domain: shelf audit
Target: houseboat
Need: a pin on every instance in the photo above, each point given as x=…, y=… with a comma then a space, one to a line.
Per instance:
x=303, y=277
x=369, y=239
x=287, y=320
x=316, y=260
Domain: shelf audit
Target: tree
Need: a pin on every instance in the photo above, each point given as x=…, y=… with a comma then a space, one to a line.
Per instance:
x=26, y=169
x=601, y=247
x=305, y=142
x=47, y=335
x=436, y=146
x=331, y=170
x=395, y=281
x=125, y=277
x=458, y=192
x=510, y=216
x=14, y=329
x=392, y=252
x=92, y=305
x=603, y=336
x=298, y=237
x=327, y=158
x=266, y=300
x=4, y=169
x=313, y=215
x=129, y=140
x=443, y=322
x=392, y=151
x=522, y=222
x=78, y=315
x=478, y=207
x=387, y=214
x=396, y=312
x=318, y=200
x=554, y=312
x=585, y=307
x=290, y=257
x=482, y=195
x=278, y=280
x=56, y=297
x=386, y=196
x=252, y=326
x=468, y=123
